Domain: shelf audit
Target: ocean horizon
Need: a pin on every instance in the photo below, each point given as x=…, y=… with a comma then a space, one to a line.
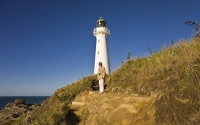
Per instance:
x=4, y=100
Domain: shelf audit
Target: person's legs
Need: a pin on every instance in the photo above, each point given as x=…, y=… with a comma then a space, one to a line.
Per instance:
x=101, y=85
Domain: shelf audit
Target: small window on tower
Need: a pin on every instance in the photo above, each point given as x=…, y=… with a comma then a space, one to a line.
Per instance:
x=98, y=52
x=98, y=41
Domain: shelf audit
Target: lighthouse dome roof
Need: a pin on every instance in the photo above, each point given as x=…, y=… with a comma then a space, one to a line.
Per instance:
x=100, y=19
x=101, y=22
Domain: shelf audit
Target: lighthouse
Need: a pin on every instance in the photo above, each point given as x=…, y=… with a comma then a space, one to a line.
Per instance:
x=101, y=55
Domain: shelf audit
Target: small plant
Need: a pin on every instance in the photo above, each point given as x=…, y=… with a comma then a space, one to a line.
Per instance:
x=196, y=28
x=150, y=51
x=128, y=56
x=195, y=25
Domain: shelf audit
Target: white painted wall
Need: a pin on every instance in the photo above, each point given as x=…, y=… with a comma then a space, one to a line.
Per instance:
x=101, y=54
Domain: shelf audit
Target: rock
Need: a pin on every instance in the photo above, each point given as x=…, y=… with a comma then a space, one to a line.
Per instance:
x=28, y=118
x=92, y=107
x=9, y=105
x=7, y=124
x=33, y=106
x=19, y=101
x=22, y=106
x=15, y=115
x=15, y=110
x=113, y=109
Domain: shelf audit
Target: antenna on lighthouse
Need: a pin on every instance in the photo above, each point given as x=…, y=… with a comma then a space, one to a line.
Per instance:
x=101, y=54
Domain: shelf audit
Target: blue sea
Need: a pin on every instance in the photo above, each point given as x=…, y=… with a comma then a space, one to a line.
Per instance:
x=4, y=100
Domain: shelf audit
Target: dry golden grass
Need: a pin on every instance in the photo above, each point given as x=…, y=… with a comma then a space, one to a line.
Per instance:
x=54, y=110
x=173, y=73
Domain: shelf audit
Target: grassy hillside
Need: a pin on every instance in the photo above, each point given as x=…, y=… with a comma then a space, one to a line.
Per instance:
x=173, y=74
x=54, y=110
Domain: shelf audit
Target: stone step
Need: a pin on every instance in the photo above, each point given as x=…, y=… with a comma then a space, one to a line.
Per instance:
x=76, y=110
x=78, y=103
x=80, y=99
x=92, y=92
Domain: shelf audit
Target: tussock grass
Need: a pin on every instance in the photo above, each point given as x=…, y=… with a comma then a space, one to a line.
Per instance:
x=174, y=73
x=54, y=110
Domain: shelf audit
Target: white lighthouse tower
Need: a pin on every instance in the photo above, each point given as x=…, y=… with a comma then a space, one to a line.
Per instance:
x=101, y=54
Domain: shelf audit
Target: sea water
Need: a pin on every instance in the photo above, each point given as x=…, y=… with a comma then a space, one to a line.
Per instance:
x=4, y=100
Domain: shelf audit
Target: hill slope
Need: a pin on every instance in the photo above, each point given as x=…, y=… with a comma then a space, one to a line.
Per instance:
x=169, y=78
x=173, y=74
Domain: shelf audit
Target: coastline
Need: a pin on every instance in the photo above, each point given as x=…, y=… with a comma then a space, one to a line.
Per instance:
x=4, y=100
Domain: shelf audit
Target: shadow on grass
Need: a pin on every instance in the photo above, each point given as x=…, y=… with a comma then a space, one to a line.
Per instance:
x=72, y=118
x=95, y=86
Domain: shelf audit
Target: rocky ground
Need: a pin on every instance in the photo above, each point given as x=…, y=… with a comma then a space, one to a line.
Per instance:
x=93, y=108
x=15, y=110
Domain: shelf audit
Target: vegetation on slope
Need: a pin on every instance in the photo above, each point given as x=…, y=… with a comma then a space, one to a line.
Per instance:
x=173, y=73
x=54, y=110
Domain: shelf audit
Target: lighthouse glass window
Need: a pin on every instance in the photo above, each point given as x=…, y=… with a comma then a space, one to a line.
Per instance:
x=101, y=24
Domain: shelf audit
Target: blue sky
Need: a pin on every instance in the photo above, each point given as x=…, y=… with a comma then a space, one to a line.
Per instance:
x=47, y=44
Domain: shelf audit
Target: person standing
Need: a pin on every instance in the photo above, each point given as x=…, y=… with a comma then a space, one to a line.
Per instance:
x=100, y=76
